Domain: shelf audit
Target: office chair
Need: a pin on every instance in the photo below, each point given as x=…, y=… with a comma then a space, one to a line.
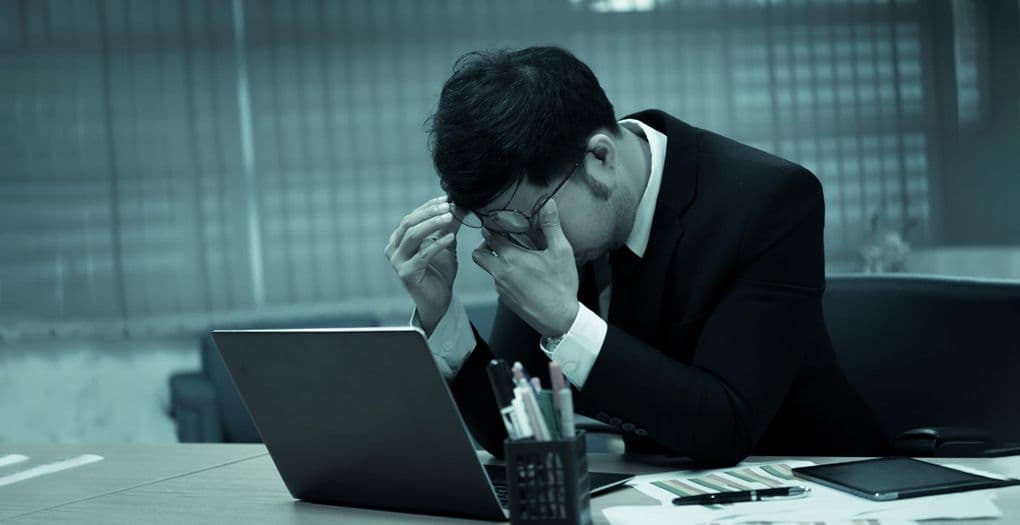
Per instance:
x=205, y=405
x=926, y=351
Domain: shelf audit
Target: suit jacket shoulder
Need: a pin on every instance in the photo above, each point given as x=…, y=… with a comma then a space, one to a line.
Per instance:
x=765, y=196
x=742, y=200
x=724, y=181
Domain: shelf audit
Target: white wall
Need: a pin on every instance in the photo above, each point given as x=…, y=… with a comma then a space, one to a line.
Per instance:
x=90, y=391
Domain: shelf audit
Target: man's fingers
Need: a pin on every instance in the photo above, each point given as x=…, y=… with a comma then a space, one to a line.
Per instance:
x=460, y=210
x=411, y=242
x=438, y=199
x=425, y=255
x=453, y=227
x=549, y=219
x=485, y=258
x=424, y=212
x=497, y=242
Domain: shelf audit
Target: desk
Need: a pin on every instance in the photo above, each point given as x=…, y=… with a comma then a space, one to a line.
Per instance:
x=124, y=467
x=238, y=484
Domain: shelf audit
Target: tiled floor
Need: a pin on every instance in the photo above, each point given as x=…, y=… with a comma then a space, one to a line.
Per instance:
x=90, y=391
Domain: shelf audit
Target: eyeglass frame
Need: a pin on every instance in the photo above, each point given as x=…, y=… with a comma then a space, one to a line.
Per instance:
x=510, y=235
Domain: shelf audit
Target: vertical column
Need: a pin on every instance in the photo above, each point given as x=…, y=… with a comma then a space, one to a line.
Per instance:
x=248, y=158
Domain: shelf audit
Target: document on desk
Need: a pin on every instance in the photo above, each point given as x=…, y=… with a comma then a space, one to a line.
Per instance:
x=822, y=505
x=11, y=459
x=42, y=470
x=1011, y=466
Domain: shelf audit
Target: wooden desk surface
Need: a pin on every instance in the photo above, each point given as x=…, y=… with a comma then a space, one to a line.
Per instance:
x=125, y=466
x=238, y=483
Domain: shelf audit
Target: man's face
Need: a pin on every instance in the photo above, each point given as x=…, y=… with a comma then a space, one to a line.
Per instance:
x=588, y=220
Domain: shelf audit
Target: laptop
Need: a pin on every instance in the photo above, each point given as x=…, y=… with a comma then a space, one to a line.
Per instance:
x=362, y=417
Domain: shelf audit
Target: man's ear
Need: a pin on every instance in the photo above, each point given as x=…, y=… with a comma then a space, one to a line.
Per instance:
x=603, y=161
x=603, y=150
x=600, y=166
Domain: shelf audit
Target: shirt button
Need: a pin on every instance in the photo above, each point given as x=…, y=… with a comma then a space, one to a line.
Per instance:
x=602, y=416
x=628, y=427
x=615, y=421
x=447, y=347
x=641, y=432
x=570, y=366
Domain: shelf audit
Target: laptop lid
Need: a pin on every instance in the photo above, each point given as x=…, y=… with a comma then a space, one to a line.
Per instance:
x=359, y=417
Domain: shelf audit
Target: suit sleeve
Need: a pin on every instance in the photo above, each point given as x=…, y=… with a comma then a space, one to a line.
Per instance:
x=715, y=409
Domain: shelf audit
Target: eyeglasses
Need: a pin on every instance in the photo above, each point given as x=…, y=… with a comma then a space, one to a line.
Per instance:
x=510, y=223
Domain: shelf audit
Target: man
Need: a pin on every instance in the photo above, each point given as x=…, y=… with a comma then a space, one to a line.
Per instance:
x=675, y=274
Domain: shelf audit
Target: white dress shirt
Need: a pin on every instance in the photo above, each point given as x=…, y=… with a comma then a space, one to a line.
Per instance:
x=452, y=340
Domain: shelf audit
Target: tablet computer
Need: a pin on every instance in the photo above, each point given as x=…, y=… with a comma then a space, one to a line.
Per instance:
x=885, y=479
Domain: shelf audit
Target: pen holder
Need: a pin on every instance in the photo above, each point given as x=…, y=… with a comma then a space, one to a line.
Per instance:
x=547, y=481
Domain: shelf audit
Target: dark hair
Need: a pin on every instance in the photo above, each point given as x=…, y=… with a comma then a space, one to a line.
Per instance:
x=506, y=114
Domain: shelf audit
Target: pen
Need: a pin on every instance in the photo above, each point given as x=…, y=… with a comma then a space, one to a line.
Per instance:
x=566, y=413
x=534, y=413
x=739, y=496
x=562, y=400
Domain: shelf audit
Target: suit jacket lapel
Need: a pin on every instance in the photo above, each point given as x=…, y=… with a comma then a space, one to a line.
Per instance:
x=637, y=304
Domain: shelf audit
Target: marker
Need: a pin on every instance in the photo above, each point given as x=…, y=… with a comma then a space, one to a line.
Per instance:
x=549, y=413
x=521, y=430
x=557, y=382
x=519, y=378
x=566, y=413
x=521, y=417
x=527, y=397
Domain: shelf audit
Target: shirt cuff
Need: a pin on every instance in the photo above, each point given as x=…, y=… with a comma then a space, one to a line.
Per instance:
x=452, y=341
x=577, y=349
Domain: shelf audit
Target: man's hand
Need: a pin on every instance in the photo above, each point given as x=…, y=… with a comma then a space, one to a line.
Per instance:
x=423, y=252
x=539, y=286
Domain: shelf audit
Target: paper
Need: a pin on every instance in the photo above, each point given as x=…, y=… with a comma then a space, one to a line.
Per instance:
x=652, y=514
x=1010, y=465
x=49, y=468
x=11, y=459
x=748, y=475
x=821, y=505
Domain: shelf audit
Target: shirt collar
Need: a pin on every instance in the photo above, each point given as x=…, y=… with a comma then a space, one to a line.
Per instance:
x=637, y=241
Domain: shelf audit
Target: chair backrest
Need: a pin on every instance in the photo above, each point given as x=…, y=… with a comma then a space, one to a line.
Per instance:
x=237, y=424
x=930, y=351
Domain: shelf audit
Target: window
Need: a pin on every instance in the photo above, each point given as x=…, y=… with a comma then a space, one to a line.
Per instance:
x=167, y=165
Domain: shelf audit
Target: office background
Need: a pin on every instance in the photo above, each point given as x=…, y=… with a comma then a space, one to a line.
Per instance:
x=171, y=165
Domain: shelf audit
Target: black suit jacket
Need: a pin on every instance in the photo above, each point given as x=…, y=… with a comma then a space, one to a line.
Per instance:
x=716, y=346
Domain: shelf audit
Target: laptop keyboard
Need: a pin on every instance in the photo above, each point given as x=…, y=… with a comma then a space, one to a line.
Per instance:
x=497, y=475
